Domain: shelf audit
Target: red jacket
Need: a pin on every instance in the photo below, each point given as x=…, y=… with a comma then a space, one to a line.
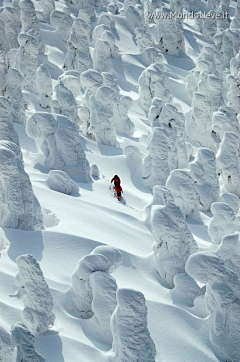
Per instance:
x=118, y=189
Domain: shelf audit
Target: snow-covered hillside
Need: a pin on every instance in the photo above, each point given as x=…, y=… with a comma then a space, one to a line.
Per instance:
x=94, y=88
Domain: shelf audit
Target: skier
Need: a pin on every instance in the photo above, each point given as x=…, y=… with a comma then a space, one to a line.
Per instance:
x=117, y=187
x=116, y=180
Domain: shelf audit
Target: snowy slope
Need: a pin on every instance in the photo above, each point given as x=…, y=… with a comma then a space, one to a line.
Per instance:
x=75, y=225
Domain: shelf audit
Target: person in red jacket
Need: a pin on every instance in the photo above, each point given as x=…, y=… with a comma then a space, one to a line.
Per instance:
x=116, y=180
x=117, y=187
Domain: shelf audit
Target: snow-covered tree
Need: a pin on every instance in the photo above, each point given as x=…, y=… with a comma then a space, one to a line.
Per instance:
x=14, y=95
x=170, y=37
x=199, y=125
x=176, y=5
x=131, y=337
x=11, y=20
x=162, y=157
x=90, y=81
x=123, y=123
x=47, y=7
x=231, y=200
x=190, y=5
x=7, y=130
x=166, y=143
x=60, y=181
x=20, y=208
x=224, y=120
x=228, y=163
x=157, y=199
x=35, y=294
x=184, y=193
x=149, y=9
x=104, y=288
x=225, y=221
x=222, y=300
x=26, y=61
x=235, y=23
x=209, y=26
x=3, y=42
x=235, y=65
x=122, y=105
x=24, y=340
x=105, y=19
x=173, y=240
x=229, y=252
x=132, y=3
x=3, y=72
x=102, y=124
x=192, y=82
x=71, y=80
x=63, y=22
x=152, y=83
x=224, y=49
x=155, y=111
x=171, y=117
x=211, y=86
x=84, y=15
x=98, y=31
x=65, y=103
x=134, y=18
x=102, y=56
x=224, y=21
x=86, y=5
x=44, y=86
x=109, y=81
x=144, y=38
x=110, y=38
x=84, y=289
x=113, y=8
x=204, y=173
x=6, y=348
x=60, y=144
x=30, y=22
x=206, y=59
x=233, y=81
x=78, y=53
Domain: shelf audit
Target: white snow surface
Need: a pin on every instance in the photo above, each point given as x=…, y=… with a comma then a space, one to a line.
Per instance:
x=76, y=223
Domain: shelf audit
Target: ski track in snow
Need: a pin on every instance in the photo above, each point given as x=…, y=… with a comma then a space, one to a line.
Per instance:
x=77, y=224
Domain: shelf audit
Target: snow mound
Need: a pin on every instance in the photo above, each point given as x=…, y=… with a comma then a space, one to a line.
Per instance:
x=60, y=181
x=186, y=290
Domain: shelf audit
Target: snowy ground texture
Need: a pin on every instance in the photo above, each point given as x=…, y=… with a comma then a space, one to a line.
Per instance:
x=94, y=88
